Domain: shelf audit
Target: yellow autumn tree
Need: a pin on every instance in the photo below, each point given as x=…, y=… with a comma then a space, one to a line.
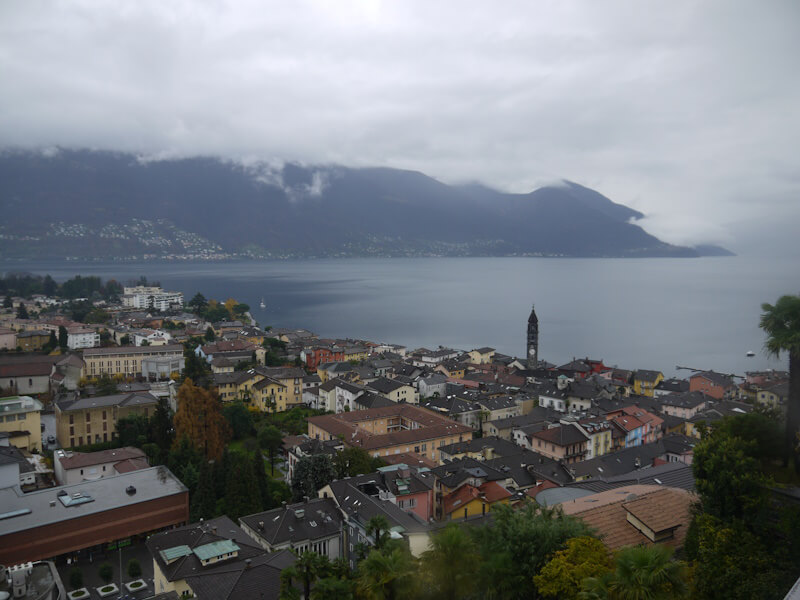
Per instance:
x=199, y=419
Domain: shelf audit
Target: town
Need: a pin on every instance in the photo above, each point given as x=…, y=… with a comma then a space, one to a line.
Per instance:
x=158, y=447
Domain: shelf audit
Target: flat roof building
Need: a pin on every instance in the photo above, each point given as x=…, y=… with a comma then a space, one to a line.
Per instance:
x=51, y=522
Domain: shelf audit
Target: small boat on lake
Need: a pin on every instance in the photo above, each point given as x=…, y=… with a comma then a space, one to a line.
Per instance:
x=750, y=354
x=262, y=305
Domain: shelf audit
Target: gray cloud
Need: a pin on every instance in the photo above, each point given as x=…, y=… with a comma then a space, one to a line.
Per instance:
x=686, y=111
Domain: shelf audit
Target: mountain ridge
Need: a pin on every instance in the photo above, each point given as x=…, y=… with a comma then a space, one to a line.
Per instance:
x=86, y=203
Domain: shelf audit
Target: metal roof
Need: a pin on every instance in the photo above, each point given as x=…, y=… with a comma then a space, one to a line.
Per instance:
x=175, y=552
x=215, y=549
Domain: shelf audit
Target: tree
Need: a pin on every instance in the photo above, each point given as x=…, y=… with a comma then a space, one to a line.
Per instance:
x=310, y=566
x=640, y=572
x=310, y=474
x=518, y=544
x=378, y=528
x=133, y=430
x=782, y=326
x=241, y=497
x=161, y=430
x=449, y=566
x=239, y=418
x=210, y=335
x=49, y=286
x=63, y=337
x=106, y=572
x=52, y=343
x=75, y=578
x=198, y=303
x=389, y=575
x=270, y=439
x=134, y=569
x=204, y=501
x=22, y=312
x=731, y=562
x=562, y=575
x=332, y=588
x=125, y=340
x=199, y=419
x=729, y=480
x=261, y=483
x=355, y=461
x=7, y=301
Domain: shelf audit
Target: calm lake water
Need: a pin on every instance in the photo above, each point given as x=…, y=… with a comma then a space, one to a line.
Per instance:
x=634, y=313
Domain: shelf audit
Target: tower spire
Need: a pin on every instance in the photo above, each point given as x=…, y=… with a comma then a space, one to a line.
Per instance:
x=533, y=339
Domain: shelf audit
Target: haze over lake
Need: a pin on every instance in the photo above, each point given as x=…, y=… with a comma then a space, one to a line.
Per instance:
x=634, y=313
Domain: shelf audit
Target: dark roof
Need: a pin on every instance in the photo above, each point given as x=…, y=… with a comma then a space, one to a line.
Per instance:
x=673, y=474
x=384, y=385
x=645, y=375
x=282, y=372
x=362, y=507
x=527, y=467
x=319, y=519
x=619, y=462
x=719, y=379
x=370, y=400
x=132, y=399
x=193, y=536
x=452, y=474
x=673, y=385
x=685, y=399
x=539, y=414
x=77, y=460
x=564, y=435
x=11, y=455
x=498, y=445
x=258, y=578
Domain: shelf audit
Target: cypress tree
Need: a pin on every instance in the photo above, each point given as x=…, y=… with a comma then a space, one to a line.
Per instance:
x=204, y=502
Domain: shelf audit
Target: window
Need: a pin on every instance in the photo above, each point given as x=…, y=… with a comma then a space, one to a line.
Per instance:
x=104, y=415
x=30, y=381
x=71, y=419
x=88, y=417
x=88, y=428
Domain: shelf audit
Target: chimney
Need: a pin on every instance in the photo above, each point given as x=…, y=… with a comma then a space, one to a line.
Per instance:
x=465, y=514
x=247, y=563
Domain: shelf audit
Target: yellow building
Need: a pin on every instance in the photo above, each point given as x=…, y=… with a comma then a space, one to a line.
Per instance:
x=645, y=382
x=261, y=391
x=91, y=420
x=452, y=369
x=20, y=418
x=468, y=500
x=599, y=432
x=357, y=353
x=128, y=360
x=481, y=356
x=391, y=430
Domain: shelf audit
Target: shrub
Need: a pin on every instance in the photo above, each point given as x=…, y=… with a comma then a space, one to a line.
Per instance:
x=76, y=578
x=106, y=572
x=134, y=569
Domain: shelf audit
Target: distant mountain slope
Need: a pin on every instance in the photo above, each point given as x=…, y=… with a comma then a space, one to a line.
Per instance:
x=86, y=204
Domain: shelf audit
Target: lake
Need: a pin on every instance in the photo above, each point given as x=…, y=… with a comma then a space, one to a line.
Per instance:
x=633, y=313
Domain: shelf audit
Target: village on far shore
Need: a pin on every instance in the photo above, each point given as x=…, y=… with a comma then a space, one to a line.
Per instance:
x=456, y=432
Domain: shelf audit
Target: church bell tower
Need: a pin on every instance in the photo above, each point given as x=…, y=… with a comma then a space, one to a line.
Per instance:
x=533, y=340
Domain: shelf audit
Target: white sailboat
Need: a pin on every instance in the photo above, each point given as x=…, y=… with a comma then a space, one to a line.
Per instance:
x=262, y=305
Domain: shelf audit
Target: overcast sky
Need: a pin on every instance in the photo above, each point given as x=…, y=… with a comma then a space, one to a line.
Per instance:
x=688, y=111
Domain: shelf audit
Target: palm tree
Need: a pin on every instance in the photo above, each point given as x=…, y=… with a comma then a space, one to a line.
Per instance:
x=451, y=563
x=309, y=567
x=641, y=573
x=782, y=325
x=387, y=576
x=378, y=526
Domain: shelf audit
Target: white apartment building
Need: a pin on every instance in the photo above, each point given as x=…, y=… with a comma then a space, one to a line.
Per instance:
x=156, y=298
x=82, y=337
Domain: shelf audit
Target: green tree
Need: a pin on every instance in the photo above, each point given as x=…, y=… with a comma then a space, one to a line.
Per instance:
x=134, y=569
x=261, y=483
x=270, y=439
x=562, y=575
x=781, y=323
x=729, y=480
x=518, y=544
x=75, y=578
x=332, y=588
x=310, y=474
x=7, y=301
x=449, y=565
x=125, y=340
x=49, y=286
x=133, y=430
x=355, y=461
x=241, y=496
x=204, y=502
x=63, y=337
x=640, y=572
x=388, y=575
x=106, y=572
x=309, y=567
x=22, y=312
x=378, y=528
x=52, y=343
x=732, y=563
x=161, y=430
x=239, y=418
x=210, y=335
x=198, y=303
